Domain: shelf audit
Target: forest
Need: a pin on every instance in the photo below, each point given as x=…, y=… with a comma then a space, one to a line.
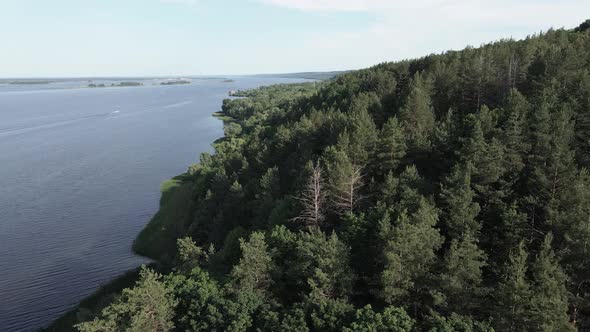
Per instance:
x=445, y=193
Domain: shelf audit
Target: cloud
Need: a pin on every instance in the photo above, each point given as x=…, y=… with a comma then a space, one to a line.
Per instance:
x=411, y=28
x=499, y=12
x=181, y=2
x=353, y=5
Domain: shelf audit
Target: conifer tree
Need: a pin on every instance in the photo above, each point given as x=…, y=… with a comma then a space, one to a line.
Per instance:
x=574, y=221
x=485, y=158
x=392, y=319
x=462, y=275
x=460, y=209
x=417, y=115
x=269, y=192
x=549, y=303
x=550, y=164
x=253, y=271
x=346, y=181
x=391, y=147
x=322, y=265
x=359, y=140
x=410, y=247
x=405, y=191
x=513, y=136
x=445, y=142
x=512, y=229
x=149, y=306
x=513, y=294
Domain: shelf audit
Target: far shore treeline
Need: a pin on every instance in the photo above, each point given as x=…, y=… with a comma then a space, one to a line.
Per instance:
x=445, y=193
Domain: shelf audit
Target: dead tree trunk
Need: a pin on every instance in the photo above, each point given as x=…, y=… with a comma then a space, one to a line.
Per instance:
x=312, y=199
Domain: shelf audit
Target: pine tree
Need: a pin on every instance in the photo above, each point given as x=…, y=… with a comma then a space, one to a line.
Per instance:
x=149, y=306
x=550, y=164
x=513, y=294
x=484, y=157
x=574, y=221
x=346, y=181
x=410, y=247
x=392, y=319
x=582, y=127
x=322, y=265
x=359, y=140
x=445, y=143
x=512, y=229
x=405, y=191
x=513, y=136
x=391, y=147
x=417, y=115
x=549, y=303
x=201, y=301
x=457, y=198
x=269, y=192
x=454, y=323
x=462, y=275
x=253, y=271
x=189, y=254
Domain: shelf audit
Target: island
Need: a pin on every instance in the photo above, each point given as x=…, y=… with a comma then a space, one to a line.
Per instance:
x=176, y=82
x=127, y=84
x=114, y=85
x=29, y=82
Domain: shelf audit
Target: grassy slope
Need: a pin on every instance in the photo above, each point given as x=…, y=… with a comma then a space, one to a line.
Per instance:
x=156, y=240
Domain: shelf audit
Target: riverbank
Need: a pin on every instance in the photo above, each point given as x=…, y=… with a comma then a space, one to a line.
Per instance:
x=155, y=241
x=93, y=304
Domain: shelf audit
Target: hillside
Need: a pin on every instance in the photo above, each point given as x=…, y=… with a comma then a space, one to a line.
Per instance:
x=446, y=193
x=306, y=75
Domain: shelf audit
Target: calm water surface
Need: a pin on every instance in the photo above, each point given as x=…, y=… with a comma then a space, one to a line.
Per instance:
x=80, y=171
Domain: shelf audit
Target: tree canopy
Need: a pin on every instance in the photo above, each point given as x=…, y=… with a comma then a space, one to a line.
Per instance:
x=445, y=193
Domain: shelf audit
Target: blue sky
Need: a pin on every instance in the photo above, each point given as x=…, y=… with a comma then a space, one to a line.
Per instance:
x=203, y=37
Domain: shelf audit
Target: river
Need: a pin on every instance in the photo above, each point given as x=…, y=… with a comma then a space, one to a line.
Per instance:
x=80, y=170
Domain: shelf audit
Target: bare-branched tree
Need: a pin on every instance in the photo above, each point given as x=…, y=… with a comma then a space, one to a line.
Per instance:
x=312, y=199
x=346, y=194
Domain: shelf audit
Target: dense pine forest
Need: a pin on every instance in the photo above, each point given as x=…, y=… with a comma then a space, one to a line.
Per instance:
x=446, y=193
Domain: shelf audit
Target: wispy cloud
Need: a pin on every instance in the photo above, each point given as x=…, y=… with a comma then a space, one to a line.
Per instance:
x=353, y=5
x=410, y=28
x=501, y=11
x=181, y=2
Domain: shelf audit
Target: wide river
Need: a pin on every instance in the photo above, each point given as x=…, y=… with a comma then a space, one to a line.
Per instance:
x=80, y=170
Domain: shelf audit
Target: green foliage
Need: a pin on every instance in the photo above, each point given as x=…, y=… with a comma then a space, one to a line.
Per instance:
x=460, y=209
x=391, y=148
x=322, y=263
x=454, y=186
x=252, y=273
x=549, y=301
x=457, y=323
x=392, y=319
x=200, y=301
x=149, y=306
x=158, y=239
x=461, y=280
x=409, y=251
x=417, y=115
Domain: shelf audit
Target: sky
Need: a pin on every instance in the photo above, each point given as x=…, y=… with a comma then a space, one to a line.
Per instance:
x=81, y=38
